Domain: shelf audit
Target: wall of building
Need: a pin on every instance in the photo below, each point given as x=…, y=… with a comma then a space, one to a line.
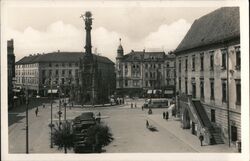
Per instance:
x=218, y=75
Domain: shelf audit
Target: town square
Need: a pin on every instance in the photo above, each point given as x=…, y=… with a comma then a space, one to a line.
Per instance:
x=111, y=80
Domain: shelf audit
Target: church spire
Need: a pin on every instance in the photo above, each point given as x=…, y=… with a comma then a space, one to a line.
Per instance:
x=120, y=49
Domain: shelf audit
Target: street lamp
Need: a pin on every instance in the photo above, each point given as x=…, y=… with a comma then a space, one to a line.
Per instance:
x=51, y=121
x=27, y=122
x=59, y=113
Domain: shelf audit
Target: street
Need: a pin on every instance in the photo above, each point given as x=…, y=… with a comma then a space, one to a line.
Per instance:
x=128, y=126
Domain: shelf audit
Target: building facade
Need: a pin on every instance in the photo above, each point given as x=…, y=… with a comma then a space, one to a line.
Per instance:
x=11, y=72
x=208, y=78
x=39, y=73
x=141, y=73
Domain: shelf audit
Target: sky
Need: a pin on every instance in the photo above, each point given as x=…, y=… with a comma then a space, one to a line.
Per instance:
x=49, y=29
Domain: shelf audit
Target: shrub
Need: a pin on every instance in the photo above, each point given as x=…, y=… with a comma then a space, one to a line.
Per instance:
x=98, y=136
x=63, y=136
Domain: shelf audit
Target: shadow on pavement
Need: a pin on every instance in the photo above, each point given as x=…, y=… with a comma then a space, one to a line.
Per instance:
x=153, y=129
x=13, y=118
x=13, y=114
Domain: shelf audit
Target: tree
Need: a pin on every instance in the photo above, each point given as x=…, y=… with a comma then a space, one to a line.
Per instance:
x=63, y=136
x=98, y=136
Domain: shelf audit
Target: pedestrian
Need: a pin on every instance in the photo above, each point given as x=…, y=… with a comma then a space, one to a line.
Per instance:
x=36, y=111
x=142, y=107
x=135, y=105
x=201, y=137
x=99, y=117
x=131, y=105
x=164, y=115
x=147, y=124
x=43, y=105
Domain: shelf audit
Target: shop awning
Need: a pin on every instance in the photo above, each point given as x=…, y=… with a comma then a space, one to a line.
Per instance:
x=16, y=90
x=149, y=92
x=53, y=91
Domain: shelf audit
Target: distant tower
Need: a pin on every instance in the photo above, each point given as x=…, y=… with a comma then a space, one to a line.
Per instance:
x=119, y=50
x=119, y=67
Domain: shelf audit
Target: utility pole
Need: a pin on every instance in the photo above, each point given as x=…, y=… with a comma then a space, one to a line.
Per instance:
x=51, y=115
x=27, y=122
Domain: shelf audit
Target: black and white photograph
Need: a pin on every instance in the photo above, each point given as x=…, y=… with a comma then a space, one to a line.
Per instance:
x=102, y=79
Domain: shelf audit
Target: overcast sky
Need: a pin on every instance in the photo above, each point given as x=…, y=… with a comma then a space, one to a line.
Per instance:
x=44, y=29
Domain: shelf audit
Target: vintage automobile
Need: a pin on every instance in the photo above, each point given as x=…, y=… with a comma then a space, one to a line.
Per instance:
x=80, y=125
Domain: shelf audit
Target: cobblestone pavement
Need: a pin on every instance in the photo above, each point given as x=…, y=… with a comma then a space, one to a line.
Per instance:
x=127, y=124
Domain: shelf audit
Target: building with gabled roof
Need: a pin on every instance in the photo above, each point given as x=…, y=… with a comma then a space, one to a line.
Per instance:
x=208, y=77
x=145, y=74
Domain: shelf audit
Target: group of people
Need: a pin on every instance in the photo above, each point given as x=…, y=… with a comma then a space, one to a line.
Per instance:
x=133, y=105
x=165, y=115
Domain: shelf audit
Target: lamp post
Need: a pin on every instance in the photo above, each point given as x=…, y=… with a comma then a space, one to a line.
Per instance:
x=51, y=121
x=27, y=122
x=59, y=113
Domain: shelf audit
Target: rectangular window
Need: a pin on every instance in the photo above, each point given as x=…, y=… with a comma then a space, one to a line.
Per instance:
x=212, y=89
x=63, y=72
x=146, y=75
x=180, y=84
x=186, y=64
x=202, y=88
x=202, y=61
x=238, y=59
x=179, y=66
x=186, y=85
x=70, y=72
x=56, y=72
x=193, y=63
x=233, y=133
x=211, y=60
x=193, y=88
x=62, y=80
x=224, y=91
x=63, y=64
x=167, y=64
x=224, y=59
x=212, y=115
x=70, y=65
x=238, y=93
x=126, y=83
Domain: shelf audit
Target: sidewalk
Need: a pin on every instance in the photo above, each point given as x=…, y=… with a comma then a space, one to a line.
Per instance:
x=174, y=127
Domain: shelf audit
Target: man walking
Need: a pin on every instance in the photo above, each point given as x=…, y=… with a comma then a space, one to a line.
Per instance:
x=164, y=114
x=36, y=111
x=201, y=137
x=147, y=124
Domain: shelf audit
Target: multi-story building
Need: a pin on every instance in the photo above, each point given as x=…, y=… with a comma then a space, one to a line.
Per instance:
x=11, y=72
x=38, y=72
x=141, y=73
x=208, y=62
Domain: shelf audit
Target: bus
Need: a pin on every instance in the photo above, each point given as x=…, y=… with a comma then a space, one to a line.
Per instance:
x=156, y=103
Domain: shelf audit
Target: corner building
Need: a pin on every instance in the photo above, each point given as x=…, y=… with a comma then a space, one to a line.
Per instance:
x=208, y=68
x=147, y=74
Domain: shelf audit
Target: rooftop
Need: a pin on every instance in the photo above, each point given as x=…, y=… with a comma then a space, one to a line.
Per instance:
x=59, y=57
x=220, y=25
x=146, y=56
